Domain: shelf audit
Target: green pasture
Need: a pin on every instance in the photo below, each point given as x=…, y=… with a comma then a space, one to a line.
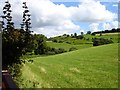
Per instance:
x=68, y=46
x=93, y=67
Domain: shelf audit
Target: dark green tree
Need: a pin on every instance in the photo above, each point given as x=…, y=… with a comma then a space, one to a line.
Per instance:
x=25, y=27
x=88, y=32
x=75, y=35
x=82, y=33
x=14, y=41
x=41, y=45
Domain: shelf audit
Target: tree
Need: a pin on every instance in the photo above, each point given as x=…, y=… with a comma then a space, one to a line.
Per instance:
x=26, y=25
x=80, y=37
x=75, y=35
x=14, y=41
x=82, y=33
x=72, y=36
x=93, y=34
x=41, y=44
x=88, y=32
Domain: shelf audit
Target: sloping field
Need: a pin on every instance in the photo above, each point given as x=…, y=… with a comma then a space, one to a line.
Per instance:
x=94, y=67
x=68, y=46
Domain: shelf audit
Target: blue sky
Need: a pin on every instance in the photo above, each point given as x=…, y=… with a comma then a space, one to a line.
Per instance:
x=66, y=16
x=111, y=6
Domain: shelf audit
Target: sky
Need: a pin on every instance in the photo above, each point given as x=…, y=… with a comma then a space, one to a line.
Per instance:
x=58, y=17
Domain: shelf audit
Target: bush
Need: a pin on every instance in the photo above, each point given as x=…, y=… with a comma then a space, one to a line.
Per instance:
x=50, y=53
x=72, y=49
x=68, y=42
x=60, y=41
x=80, y=37
x=93, y=34
x=101, y=41
x=55, y=40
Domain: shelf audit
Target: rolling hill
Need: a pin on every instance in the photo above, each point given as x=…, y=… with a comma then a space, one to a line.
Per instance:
x=93, y=67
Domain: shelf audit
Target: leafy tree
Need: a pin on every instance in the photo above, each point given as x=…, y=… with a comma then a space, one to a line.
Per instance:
x=75, y=35
x=80, y=37
x=72, y=36
x=41, y=44
x=26, y=25
x=88, y=32
x=82, y=33
x=101, y=34
x=68, y=35
x=93, y=34
x=14, y=41
x=64, y=34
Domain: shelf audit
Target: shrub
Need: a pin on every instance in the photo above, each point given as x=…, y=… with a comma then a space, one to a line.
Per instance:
x=68, y=42
x=72, y=49
x=60, y=41
x=80, y=37
x=101, y=41
x=55, y=40
x=50, y=53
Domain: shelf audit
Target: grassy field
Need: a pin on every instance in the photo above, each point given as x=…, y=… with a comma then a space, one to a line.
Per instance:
x=94, y=67
x=68, y=46
x=113, y=37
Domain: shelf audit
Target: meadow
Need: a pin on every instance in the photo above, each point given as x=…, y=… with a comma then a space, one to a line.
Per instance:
x=68, y=46
x=92, y=67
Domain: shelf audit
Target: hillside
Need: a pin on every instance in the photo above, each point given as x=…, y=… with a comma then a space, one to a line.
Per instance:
x=94, y=67
x=68, y=42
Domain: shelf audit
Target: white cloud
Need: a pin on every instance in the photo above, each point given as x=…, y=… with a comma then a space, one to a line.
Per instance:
x=92, y=11
x=110, y=25
x=114, y=24
x=115, y=5
x=94, y=27
x=51, y=19
x=106, y=26
x=67, y=27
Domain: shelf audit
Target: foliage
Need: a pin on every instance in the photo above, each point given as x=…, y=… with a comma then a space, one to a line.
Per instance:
x=54, y=40
x=75, y=35
x=14, y=41
x=16, y=72
x=80, y=37
x=88, y=32
x=93, y=34
x=108, y=31
x=82, y=33
x=52, y=51
x=101, y=41
x=40, y=44
x=72, y=49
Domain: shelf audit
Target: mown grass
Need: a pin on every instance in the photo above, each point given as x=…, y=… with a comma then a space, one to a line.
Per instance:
x=94, y=67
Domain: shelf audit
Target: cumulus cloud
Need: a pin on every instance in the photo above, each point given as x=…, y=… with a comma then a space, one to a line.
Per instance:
x=51, y=19
x=92, y=11
x=94, y=27
x=110, y=25
x=67, y=27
